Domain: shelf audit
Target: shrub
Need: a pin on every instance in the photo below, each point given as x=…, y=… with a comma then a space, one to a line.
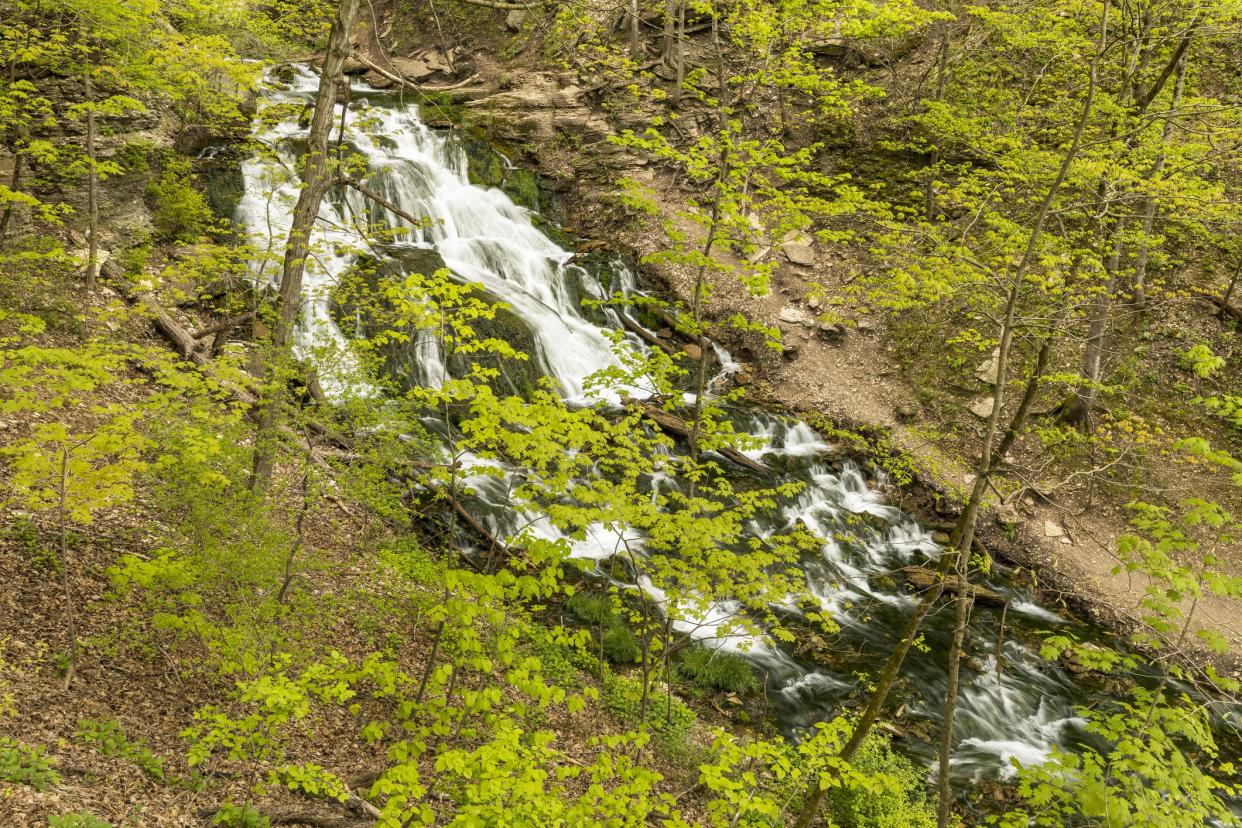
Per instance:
x=717, y=670
x=621, y=646
x=26, y=765
x=592, y=608
x=900, y=802
x=179, y=212
x=623, y=696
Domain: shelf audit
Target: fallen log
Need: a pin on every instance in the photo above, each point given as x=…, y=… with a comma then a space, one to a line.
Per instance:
x=677, y=426
x=924, y=578
x=644, y=334
x=223, y=327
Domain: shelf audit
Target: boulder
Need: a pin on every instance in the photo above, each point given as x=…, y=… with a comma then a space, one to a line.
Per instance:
x=416, y=69
x=830, y=331
x=988, y=370
x=793, y=316
x=983, y=408
x=693, y=351
x=799, y=249
x=515, y=19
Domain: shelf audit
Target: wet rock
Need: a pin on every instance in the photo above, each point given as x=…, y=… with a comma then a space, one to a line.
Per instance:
x=377, y=81
x=743, y=377
x=983, y=408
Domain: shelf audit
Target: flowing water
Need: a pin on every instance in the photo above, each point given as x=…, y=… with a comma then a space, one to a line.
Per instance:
x=1013, y=705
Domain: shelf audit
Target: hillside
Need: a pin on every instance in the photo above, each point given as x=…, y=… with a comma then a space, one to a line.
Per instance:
x=725, y=414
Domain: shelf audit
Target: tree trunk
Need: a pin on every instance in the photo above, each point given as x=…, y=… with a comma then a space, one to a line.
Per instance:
x=1097, y=330
x=92, y=190
x=15, y=181
x=988, y=460
x=635, y=43
x=942, y=65
x=1149, y=212
x=316, y=179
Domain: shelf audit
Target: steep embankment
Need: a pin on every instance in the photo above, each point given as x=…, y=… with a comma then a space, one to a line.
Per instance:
x=1060, y=519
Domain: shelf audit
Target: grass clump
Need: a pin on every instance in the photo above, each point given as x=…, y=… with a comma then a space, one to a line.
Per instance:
x=716, y=670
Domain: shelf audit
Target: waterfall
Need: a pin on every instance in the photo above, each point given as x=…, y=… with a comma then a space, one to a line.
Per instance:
x=1016, y=709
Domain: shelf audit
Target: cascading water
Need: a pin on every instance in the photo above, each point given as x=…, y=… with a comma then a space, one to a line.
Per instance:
x=1015, y=709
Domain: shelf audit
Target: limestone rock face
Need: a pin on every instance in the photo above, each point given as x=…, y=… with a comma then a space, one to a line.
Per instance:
x=540, y=108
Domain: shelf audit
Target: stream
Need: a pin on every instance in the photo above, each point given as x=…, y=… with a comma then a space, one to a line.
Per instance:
x=1013, y=706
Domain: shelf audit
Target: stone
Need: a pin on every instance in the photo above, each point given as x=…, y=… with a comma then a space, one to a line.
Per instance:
x=665, y=333
x=983, y=408
x=830, y=331
x=1052, y=529
x=759, y=254
x=743, y=377
x=415, y=69
x=988, y=370
x=1007, y=515
x=790, y=352
x=515, y=19
x=799, y=250
x=864, y=325
x=794, y=316
x=377, y=81
x=1066, y=541
x=905, y=412
x=814, y=303
x=693, y=351
x=941, y=538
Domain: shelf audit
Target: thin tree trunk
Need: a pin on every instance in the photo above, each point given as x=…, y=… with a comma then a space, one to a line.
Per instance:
x=681, y=51
x=942, y=65
x=92, y=190
x=635, y=43
x=1233, y=284
x=70, y=616
x=15, y=181
x=965, y=529
x=316, y=179
x=1149, y=212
